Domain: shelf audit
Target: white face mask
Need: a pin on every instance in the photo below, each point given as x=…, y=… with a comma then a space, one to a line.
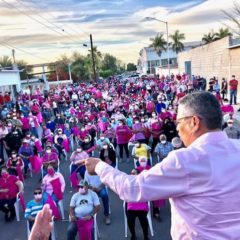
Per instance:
x=79, y=150
x=230, y=125
x=48, y=151
x=105, y=146
x=14, y=155
x=120, y=124
x=82, y=190
x=143, y=164
x=38, y=196
x=163, y=142
x=102, y=138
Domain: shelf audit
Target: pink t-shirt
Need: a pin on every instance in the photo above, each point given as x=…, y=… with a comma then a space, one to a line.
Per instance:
x=10, y=184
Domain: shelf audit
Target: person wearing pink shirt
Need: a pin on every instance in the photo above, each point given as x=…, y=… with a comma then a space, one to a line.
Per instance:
x=9, y=187
x=47, y=185
x=137, y=210
x=77, y=155
x=202, y=180
x=50, y=157
x=123, y=133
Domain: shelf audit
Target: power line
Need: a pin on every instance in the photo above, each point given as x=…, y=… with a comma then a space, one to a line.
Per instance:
x=19, y=10
x=21, y=50
x=86, y=34
x=62, y=29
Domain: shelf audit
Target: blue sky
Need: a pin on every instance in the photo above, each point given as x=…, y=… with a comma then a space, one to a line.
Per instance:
x=50, y=28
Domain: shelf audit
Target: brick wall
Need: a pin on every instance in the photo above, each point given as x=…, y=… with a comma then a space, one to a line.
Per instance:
x=214, y=59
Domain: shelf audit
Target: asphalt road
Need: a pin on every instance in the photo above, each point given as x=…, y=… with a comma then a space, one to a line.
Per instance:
x=18, y=230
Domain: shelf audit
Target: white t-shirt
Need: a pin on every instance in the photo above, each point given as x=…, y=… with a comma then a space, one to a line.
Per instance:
x=84, y=204
x=92, y=180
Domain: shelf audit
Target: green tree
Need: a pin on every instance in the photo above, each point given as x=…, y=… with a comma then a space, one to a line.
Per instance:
x=208, y=38
x=5, y=62
x=106, y=73
x=81, y=66
x=109, y=62
x=97, y=57
x=25, y=69
x=159, y=44
x=222, y=33
x=177, y=39
x=131, y=67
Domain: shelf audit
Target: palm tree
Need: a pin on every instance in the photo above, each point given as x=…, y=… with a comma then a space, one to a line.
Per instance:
x=159, y=44
x=177, y=45
x=222, y=33
x=97, y=57
x=5, y=62
x=208, y=38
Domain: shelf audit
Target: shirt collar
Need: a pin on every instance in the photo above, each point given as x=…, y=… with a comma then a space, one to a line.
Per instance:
x=210, y=137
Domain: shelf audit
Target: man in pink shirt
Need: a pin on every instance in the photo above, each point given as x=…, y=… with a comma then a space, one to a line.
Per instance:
x=201, y=180
x=233, y=86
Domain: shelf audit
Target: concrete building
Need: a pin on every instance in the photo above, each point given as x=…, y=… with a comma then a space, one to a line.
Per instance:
x=220, y=59
x=10, y=81
x=150, y=62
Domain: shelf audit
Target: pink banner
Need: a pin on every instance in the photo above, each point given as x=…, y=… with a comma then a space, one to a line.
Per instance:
x=74, y=179
x=84, y=229
x=57, y=188
x=53, y=207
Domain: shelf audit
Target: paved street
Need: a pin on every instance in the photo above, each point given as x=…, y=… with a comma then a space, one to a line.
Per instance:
x=17, y=230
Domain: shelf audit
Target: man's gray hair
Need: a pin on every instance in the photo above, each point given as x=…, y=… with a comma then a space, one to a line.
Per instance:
x=205, y=106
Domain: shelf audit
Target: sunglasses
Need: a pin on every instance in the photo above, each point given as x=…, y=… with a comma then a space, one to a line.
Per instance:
x=80, y=186
x=36, y=193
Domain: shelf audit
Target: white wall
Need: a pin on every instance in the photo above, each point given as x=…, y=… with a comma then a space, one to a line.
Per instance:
x=8, y=78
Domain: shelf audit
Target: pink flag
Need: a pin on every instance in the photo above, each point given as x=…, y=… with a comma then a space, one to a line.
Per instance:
x=36, y=163
x=56, y=184
x=22, y=201
x=74, y=179
x=66, y=145
x=39, y=117
x=84, y=229
x=38, y=146
x=53, y=207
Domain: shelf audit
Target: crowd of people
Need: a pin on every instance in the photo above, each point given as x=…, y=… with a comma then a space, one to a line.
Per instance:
x=118, y=121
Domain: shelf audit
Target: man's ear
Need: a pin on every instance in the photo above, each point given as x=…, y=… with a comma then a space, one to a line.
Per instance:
x=195, y=123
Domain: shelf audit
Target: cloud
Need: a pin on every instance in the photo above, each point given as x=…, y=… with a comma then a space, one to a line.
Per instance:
x=207, y=16
x=186, y=6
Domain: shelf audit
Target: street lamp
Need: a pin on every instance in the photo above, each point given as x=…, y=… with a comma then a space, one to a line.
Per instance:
x=152, y=18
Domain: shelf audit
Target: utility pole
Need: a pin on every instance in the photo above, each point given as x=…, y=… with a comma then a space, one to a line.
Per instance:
x=93, y=60
x=13, y=56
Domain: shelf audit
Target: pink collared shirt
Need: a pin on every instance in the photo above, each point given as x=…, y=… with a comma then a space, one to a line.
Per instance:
x=202, y=182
